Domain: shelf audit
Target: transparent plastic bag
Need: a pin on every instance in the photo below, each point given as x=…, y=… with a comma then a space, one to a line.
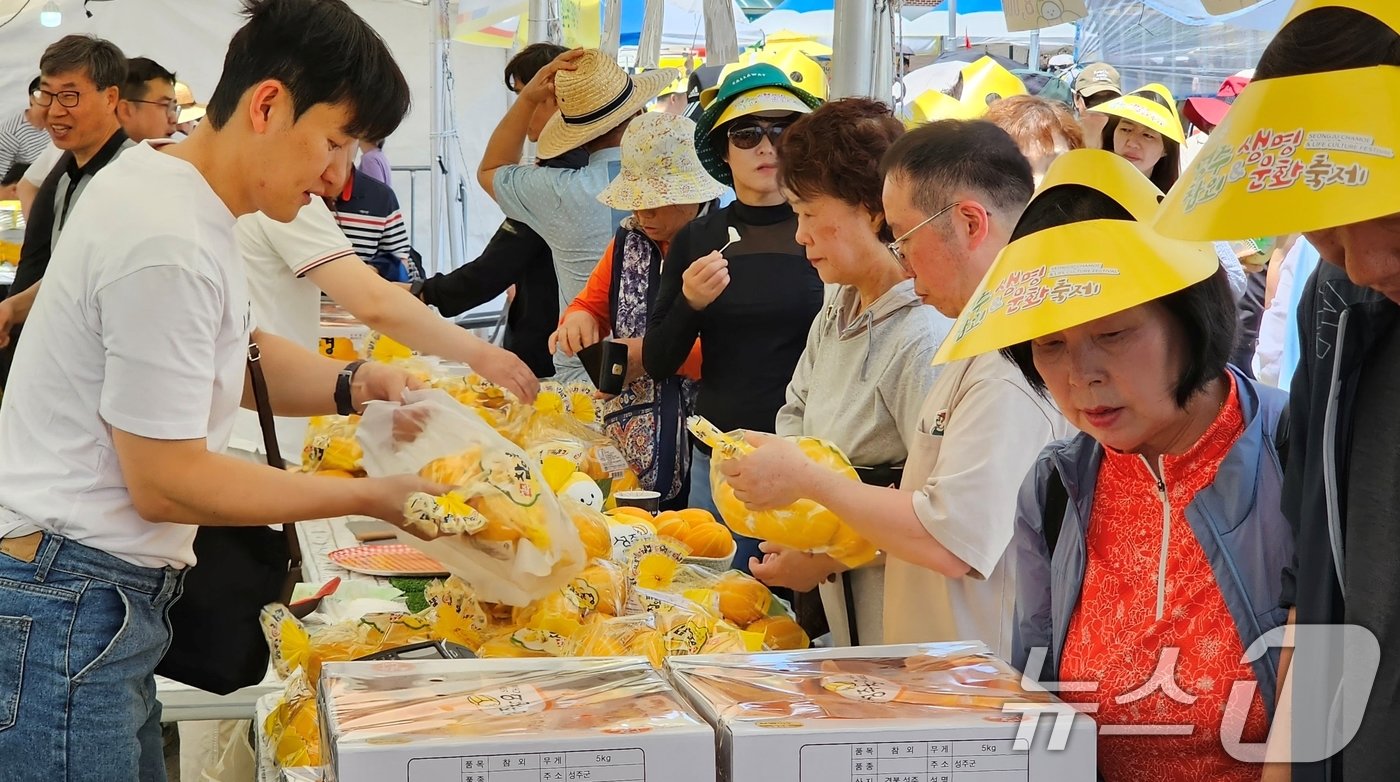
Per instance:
x=331, y=447
x=500, y=529
x=553, y=431
x=804, y=525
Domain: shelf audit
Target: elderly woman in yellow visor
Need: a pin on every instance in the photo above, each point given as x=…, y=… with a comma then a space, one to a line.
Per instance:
x=1154, y=537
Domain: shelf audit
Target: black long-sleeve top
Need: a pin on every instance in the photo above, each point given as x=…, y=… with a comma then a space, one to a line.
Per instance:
x=752, y=335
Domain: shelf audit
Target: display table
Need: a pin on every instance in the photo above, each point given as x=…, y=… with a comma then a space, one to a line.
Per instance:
x=180, y=702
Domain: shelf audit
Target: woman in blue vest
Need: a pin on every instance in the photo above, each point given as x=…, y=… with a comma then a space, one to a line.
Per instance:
x=1148, y=549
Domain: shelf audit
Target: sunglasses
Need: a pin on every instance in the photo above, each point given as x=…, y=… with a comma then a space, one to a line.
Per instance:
x=750, y=136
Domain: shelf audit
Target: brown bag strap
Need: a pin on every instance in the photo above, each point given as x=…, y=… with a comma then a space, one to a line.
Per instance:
x=269, y=433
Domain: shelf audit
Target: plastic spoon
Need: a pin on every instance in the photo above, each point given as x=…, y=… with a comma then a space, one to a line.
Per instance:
x=733, y=237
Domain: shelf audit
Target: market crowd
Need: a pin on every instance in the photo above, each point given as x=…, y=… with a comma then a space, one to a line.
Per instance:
x=1115, y=372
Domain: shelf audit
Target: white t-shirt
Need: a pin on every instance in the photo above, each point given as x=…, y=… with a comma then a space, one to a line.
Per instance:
x=39, y=170
x=141, y=325
x=979, y=432
x=277, y=257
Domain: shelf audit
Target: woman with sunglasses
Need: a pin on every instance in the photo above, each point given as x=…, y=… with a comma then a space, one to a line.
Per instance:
x=750, y=301
x=869, y=358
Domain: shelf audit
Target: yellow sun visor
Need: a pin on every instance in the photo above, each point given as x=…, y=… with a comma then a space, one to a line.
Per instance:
x=1300, y=153
x=986, y=81
x=934, y=105
x=1067, y=276
x=1146, y=112
x=1110, y=174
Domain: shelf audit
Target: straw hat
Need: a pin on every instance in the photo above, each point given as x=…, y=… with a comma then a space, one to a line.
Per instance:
x=1072, y=274
x=189, y=109
x=594, y=98
x=659, y=166
x=1297, y=153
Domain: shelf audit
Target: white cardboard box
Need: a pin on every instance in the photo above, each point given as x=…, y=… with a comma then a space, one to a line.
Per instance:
x=912, y=713
x=516, y=720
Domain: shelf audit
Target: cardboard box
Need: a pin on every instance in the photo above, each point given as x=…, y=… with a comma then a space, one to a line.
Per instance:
x=913, y=713
x=517, y=720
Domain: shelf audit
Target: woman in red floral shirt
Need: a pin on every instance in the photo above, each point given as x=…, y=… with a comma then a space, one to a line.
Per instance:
x=1166, y=539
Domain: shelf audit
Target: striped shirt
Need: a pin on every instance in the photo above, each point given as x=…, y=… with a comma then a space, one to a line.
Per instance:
x=368, y=213
x=20, y=143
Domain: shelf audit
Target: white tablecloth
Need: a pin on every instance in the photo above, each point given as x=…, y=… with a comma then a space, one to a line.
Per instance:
x=180, y=702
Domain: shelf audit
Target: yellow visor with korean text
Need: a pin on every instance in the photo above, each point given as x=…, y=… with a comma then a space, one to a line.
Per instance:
x=1299, y=153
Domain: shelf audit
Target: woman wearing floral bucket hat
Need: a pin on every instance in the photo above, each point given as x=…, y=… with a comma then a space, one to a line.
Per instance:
x=751, y=300
x=664, y=187
x=1310, y=146
x=1155, y=533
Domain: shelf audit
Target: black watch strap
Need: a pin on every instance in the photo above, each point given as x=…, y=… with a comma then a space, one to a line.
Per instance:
x=344, y=402
x=416, y=288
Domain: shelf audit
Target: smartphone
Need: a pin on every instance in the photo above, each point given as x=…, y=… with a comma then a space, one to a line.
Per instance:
x=371, y=530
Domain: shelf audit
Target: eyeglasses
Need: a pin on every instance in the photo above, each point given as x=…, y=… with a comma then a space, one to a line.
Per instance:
x=750, y=136
x=67, y=99
x=896, y=246
x=172, y=109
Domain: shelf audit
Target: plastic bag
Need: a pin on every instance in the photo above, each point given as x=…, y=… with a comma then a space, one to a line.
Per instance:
x=293, y=727
x=331, y=447
x=804, y=525
x=552, y=431
x=299, y=647
x=501, y=529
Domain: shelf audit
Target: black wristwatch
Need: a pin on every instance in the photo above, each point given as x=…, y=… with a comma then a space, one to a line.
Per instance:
x=344, y=403
x=416, y=288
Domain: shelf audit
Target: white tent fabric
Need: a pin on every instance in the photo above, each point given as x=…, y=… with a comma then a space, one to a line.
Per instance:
x=921, y=34
x=1265, y=15
x=191, y=37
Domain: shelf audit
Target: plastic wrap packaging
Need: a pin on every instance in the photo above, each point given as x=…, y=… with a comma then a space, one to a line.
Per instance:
x=293, y=728
x=331, y=447
x=299, y=647
x=804, y=525
x=427, y=701
x=909, y=682
x=553, y=431
x=500, y=529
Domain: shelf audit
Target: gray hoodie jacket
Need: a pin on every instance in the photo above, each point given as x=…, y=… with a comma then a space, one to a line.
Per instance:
x=860, y=384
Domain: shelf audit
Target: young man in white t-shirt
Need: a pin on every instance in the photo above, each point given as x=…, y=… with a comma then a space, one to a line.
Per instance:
x=125, y=391
x=953, y=192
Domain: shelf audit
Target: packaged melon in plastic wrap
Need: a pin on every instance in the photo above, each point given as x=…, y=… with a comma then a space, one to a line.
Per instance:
x=299, y=647
x=804, y=525
x=499, y=407
x=500, y=529
x=331, y=447
x=293, y=727
x=553, y=431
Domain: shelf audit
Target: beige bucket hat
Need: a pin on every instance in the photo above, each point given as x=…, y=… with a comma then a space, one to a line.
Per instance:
x=659, y=166
x=594, y=98
x=190, y=109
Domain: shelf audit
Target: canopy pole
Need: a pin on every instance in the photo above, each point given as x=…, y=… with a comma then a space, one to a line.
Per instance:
x=852, y=43
x=544, y=26
x=1033, y=58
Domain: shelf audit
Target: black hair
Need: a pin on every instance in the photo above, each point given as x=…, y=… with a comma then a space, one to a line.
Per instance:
x=33, y=85
x=1205, y=311
x=140, y=70
x=99, y=58
x=323, y=52
x=945, y=156
x=528, y=62
x=1328, y=39
x=1168, y=169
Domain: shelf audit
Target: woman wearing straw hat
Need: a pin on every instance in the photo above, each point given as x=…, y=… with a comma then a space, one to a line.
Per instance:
x=664, y=186
x=1153, y=540
x=596, y=100
x=868, y=363
x=1144, y=127
x=750, y=299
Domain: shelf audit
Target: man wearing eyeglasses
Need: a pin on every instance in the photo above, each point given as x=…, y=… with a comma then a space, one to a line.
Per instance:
x=953, y=192
x=79, y=86
x=22, y=140
x=147, y=108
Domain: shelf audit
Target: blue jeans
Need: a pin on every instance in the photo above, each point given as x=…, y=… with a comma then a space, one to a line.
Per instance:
x=702, y=497
x=81, y=632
